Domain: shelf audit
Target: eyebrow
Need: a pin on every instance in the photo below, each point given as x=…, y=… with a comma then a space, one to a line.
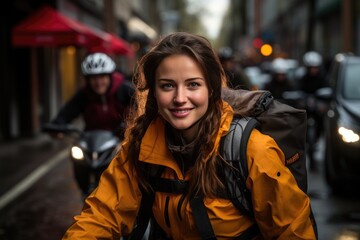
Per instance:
x=186, y=80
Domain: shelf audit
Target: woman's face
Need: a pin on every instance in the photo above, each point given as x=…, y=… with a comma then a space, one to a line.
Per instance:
x=99, y=83
x=181, y=93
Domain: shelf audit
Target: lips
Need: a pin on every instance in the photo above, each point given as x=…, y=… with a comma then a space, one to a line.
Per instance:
x=180, y=113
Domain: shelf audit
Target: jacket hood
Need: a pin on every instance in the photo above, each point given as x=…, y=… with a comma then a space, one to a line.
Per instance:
x=154, y=148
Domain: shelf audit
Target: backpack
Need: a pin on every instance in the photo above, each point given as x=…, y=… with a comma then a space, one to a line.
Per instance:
x=285, y=124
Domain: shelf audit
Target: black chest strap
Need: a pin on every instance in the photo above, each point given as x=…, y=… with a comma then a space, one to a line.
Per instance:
x=142, y=222
x=201, y=218
x=203, y=223
x=175, y=186
x=197, y=205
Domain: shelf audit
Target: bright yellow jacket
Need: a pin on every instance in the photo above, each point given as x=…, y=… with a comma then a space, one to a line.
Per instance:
x=281, y=209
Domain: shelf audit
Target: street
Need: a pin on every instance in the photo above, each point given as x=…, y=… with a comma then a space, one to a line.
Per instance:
x=95, y=64
x=338, y=217
x=45, y=210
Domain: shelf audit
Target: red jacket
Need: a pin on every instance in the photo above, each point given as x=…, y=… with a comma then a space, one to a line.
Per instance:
x=99, y=112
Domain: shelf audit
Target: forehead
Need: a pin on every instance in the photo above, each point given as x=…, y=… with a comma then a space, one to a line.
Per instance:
x=178, y=64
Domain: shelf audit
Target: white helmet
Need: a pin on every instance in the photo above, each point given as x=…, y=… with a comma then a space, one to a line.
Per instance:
x=280, y=66
x=97, y=63
x=312, y=59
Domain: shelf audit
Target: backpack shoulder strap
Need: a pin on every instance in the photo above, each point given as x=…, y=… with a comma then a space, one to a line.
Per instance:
x=203, y=222
x=142, y=220
x=145, y=212
x=201, y=218
x=233, y=149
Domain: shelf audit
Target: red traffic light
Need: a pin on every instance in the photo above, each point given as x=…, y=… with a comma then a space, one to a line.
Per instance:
x=257, y=42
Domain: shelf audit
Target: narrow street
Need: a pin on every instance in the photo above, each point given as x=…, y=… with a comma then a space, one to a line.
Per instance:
x=93, y=63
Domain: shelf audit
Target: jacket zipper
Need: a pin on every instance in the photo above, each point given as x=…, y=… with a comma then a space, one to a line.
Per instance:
x=166, y=212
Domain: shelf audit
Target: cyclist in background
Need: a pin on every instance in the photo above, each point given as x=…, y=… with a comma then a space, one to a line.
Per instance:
x=105, y=99
x=279, y=82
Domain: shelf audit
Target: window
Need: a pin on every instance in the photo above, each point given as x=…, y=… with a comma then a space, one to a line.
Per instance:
x=351, y=82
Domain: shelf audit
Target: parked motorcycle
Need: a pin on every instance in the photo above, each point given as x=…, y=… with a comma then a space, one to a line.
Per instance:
x=90, y=153
x=316, y=106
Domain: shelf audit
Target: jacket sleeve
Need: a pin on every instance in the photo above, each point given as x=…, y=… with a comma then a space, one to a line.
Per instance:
x=110, y=211
x=281, y=209
x=71, y=109
x=125, y=92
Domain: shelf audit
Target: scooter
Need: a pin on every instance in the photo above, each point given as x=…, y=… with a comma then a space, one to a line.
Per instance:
x=90, y=153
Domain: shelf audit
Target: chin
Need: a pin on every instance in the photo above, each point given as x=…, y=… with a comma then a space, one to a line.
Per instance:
x=183, y=126
x=100, y=92
x=180, y=127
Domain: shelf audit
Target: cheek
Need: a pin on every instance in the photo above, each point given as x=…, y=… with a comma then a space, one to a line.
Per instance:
x=201, y=99
x=105, y=83
x=162, y=99
x=206, y=104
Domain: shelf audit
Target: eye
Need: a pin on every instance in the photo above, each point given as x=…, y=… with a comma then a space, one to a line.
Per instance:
x=194, y=85
x=166, y=86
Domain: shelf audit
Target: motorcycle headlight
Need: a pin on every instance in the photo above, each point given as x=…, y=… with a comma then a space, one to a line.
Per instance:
x=77, y=153
x=348, y=135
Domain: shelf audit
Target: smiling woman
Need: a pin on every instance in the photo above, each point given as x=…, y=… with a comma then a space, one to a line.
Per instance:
x=181, y=93
x=168, y=168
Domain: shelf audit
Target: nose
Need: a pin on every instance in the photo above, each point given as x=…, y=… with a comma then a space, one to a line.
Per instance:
x=180, y=96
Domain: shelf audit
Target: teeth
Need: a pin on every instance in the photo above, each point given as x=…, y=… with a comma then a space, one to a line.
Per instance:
x=181, y=111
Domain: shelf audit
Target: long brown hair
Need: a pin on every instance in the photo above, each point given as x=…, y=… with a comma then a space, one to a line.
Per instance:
x=203, y=175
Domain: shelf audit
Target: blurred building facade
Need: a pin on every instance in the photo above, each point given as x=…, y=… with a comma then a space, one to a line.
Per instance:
x=293, y=27
x=36, y=80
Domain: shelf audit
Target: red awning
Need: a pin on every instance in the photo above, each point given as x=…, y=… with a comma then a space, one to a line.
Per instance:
x=112, y=44
x=48, y=28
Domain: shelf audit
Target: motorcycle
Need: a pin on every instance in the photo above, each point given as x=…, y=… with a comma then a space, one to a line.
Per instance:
x=316, y=106
x=90, y=153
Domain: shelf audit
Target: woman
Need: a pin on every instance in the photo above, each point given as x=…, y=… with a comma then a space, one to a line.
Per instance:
x=180, y=120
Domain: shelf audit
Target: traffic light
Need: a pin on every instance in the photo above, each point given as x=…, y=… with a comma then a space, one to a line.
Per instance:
x=257, y=43
x=266, y=50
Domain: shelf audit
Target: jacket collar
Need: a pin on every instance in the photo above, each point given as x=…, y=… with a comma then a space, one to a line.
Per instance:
x=154, y=149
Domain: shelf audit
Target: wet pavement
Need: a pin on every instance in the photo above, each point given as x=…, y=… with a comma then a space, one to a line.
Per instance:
x=45, y=209
x=18, y=158
x=337, y=215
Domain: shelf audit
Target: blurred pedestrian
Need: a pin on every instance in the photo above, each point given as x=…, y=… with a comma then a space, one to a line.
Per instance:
x=314, y=77
x=279, y=82
x=236, y=78
x=175, y=137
